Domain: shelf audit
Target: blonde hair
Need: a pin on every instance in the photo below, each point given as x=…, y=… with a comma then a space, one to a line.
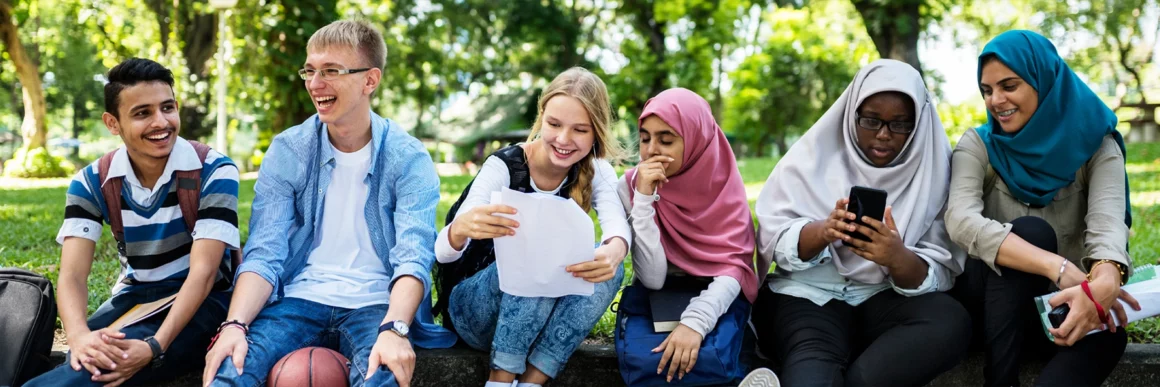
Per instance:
x=586, y=87
x=356, y=35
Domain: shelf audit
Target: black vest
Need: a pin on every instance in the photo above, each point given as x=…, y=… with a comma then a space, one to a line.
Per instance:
x=480, y=253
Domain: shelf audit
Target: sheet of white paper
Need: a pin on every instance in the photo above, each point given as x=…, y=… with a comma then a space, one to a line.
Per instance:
x=553, y=234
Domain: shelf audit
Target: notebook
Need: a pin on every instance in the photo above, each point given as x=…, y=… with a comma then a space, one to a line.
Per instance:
x=669, y=303
x=667, y=307
x=140, y=312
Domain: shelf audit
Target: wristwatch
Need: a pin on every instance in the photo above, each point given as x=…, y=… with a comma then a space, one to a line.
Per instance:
x=398, y=327
x=158, y=354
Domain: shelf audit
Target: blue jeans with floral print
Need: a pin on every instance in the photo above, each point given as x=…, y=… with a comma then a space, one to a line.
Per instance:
x=540, y=331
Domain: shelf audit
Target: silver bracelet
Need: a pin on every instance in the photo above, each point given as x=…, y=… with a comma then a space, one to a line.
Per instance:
x=1062, y=268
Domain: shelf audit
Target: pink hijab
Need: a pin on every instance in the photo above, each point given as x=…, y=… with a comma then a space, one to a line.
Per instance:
x=703, y=214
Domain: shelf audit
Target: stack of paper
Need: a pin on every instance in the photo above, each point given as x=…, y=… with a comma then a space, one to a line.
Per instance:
x=554, y=233
x=1143, y=285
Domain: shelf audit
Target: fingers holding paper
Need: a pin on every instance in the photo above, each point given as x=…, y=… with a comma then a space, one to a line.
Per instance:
x=603, y=266
x=483, y=222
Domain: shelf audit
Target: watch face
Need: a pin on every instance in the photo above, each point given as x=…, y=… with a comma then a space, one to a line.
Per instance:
x=401, y=328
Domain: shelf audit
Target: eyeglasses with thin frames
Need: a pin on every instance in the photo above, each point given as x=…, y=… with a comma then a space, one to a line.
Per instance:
x=874, y=124
x=328, y=74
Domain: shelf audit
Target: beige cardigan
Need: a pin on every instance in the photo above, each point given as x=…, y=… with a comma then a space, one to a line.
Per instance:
x=1088, y=215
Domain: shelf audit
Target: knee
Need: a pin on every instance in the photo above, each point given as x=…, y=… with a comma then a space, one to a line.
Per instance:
x=1036, y=231
x=951, y=324
x=815, y=345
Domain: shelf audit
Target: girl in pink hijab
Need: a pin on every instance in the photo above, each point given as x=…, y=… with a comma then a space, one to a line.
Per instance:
x=690, y=220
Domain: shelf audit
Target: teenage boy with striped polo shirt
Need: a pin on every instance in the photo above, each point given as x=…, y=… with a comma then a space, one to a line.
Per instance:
x=159, y=255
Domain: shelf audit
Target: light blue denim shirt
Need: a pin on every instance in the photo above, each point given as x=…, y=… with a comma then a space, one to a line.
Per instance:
x=400, y=211
x=818, y=279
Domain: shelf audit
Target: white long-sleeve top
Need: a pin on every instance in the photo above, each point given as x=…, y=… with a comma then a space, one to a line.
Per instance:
x=651, y=266
x=495, y=176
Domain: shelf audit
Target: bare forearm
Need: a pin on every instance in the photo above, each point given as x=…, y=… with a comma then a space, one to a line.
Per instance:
x=1018, y=254
x=205, y=256
x=909, y=271
x=810, y=242
x=72, y=301
x=250, y=295
x=72, y=285
x=406, y=295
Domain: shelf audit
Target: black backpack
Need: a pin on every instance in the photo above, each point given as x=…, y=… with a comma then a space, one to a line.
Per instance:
x=480, y=253
x=26, y=325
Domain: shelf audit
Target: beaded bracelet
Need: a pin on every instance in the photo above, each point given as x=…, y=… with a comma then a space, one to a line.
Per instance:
x=234, y=323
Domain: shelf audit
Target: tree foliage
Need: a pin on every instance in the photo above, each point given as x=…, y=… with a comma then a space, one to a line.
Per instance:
x=768, y=68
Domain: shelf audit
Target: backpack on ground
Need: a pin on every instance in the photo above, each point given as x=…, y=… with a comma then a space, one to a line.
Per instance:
x=27, y=325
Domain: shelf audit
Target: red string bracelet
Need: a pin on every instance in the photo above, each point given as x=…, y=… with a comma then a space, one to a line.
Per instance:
x=1099, y=308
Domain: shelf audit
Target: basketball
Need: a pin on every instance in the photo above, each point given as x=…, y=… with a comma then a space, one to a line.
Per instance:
x=310, y=366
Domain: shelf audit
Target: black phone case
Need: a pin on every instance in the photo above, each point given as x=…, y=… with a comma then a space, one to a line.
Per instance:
x=1057, y=315
x=865, y=202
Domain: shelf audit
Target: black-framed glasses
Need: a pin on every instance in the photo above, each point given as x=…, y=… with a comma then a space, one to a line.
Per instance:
x=874, y=124
x=328, y=74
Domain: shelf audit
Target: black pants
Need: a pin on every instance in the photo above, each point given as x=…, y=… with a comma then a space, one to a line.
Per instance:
x=1008, y=324
x=889, y=340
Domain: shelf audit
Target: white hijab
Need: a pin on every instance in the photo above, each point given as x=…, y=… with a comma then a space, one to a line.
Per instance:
x=826, y=162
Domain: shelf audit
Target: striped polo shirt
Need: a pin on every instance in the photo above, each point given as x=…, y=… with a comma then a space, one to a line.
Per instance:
x=157, y=243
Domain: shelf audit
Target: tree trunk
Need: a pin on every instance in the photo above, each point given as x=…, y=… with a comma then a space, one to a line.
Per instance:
x=79, y=113
x=894, y=27
x=718, y=104
x=198, y=32
x=161, y=13
x=1124, y=47
x=654, y=31
x=781, y=145
x=33, y=128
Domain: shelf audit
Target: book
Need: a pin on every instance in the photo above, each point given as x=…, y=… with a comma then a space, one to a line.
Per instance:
x=140, y=312
x=667, y=306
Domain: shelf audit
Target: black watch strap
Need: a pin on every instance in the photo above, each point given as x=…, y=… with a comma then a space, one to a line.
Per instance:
x=154, y=346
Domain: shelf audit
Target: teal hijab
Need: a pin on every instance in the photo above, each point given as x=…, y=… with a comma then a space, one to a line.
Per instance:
x=1063, y=134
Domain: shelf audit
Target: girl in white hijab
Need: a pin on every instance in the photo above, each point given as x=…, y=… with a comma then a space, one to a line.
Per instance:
x=827, y=303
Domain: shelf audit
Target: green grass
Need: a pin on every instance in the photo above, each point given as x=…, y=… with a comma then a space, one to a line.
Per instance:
x=31, y=212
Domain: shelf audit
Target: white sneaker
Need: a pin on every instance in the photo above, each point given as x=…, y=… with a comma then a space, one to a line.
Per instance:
x=761, y=377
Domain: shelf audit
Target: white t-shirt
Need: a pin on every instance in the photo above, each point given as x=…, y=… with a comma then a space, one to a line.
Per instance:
x=343, y=270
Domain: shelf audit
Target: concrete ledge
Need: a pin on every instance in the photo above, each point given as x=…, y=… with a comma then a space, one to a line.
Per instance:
x=595, y=365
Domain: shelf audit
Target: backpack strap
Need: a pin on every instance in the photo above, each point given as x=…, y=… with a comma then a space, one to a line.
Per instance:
x=189, y=197
x=189, y=187
x=111, y=190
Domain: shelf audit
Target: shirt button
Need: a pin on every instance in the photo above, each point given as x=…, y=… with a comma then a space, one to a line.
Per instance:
x=193, y=233
x=320, y=190
x=86, y=229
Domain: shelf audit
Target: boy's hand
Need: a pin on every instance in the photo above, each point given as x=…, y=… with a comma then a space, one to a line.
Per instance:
x=139, y=356
x=90, y=351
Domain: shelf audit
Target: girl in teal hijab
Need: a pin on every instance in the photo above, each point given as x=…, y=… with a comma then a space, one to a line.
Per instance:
x=1063, y=133
x=1038, y=198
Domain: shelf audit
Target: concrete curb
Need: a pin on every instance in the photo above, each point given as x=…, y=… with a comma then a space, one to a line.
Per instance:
x=596, y=365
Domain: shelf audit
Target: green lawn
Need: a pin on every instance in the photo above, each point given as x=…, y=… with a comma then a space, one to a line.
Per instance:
x=31, y=212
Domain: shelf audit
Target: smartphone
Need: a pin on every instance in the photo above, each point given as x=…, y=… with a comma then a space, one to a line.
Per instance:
x=1057, y=315
x=865, y=202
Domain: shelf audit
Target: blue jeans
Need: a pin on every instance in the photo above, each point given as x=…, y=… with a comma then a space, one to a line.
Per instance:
x=549, y=328
x=290, y=324
x=185, y=354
